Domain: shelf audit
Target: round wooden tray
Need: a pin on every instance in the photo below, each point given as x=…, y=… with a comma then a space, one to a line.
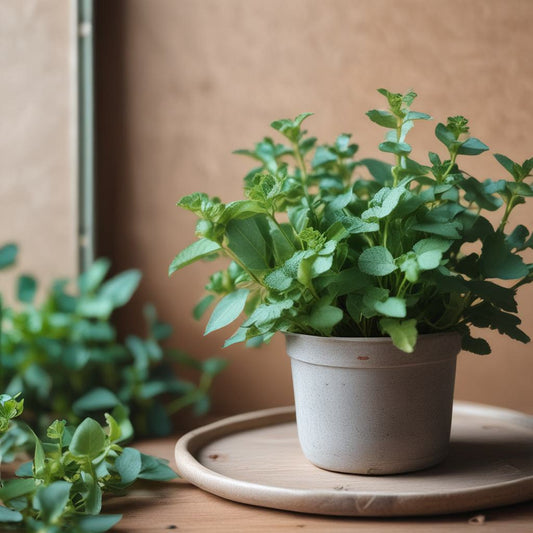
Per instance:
x=255, y=458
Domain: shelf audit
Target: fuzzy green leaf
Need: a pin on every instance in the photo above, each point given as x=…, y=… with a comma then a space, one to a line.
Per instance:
x=26, y=289
x=8, y=255
x=376, y=261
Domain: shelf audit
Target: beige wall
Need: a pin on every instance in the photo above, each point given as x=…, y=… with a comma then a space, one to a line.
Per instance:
x=37, y=173
x=182, y=83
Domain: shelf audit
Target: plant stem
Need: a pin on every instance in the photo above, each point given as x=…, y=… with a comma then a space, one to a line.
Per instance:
x=305, y=177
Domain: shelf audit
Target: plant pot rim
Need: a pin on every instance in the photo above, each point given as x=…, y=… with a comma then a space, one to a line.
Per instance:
x=361, y=339
x=371, y=352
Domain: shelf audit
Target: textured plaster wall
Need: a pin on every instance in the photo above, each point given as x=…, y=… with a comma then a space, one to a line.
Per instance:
x=182, y=83
x=37, y=179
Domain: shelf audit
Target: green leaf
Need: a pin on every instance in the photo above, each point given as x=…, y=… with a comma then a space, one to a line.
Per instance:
x=15, y=488
x=8, y=515
x=227, y=310
x=90, y=280
x=249, y=240
x=356, y=225
x=51, y=500
x=402, y=332
x=8, y=255
x=129, y=465
x=120, y=289
x=379, y=170
x=197, y=250
x=88, y=439
x=26, y=289
x=94, y=307
x=507, y=164
x=472, y=146
x=93, y=494
x=497, y=261
x=397, y=148
x=445, y=136
x=376, y=261
x=155, y=469
x=474, y=345
x=429, y=252
x=323, y=155
x=98, y=523
x=383, y=203
x=202, y=306
x=443, y=229
x=98, y=399
x=392, y=307
x=324, y=317
x=382, y=118
x=416, y=115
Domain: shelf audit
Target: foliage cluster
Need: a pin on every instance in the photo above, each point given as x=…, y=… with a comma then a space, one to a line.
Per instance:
x=65, y=358
x=327, y=244
x=61, y=489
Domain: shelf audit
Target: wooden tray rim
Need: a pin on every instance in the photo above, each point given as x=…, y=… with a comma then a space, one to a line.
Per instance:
x=349, y=502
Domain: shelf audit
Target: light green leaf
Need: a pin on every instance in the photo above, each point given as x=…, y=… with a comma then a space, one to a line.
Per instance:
x=90, y=280
x=195, y=251
x=88, y=439
x=120, y=289
x=402, y=332
x=93, y=494
x=429, y=252
x=397, y=148
x=227, y=310
x=376, y=261
x=323, y=155
x=392, y=307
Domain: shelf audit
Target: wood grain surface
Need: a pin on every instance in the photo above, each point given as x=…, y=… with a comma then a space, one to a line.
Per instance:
x=159, y=507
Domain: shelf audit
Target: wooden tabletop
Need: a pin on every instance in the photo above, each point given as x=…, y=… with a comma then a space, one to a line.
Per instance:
x=178, y=505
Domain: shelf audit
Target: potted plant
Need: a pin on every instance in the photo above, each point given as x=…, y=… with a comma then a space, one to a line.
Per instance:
x=375, y=272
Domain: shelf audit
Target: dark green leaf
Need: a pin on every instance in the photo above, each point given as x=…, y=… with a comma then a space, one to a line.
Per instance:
x=397, y=148
x=202, y=306
x=8, y=255
x=155, y=469
x=27, y=287
x=382, y=118
x=497, y=261
x=472, y=146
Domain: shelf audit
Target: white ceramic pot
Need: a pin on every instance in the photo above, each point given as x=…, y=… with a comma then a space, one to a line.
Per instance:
x=365, y=407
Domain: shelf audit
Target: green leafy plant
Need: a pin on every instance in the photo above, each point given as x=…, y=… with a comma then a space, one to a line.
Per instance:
x=64, y=356
x=72, y=469
x=327, y=244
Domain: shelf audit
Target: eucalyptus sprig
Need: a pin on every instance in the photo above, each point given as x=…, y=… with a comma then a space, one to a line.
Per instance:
x=326, y=244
